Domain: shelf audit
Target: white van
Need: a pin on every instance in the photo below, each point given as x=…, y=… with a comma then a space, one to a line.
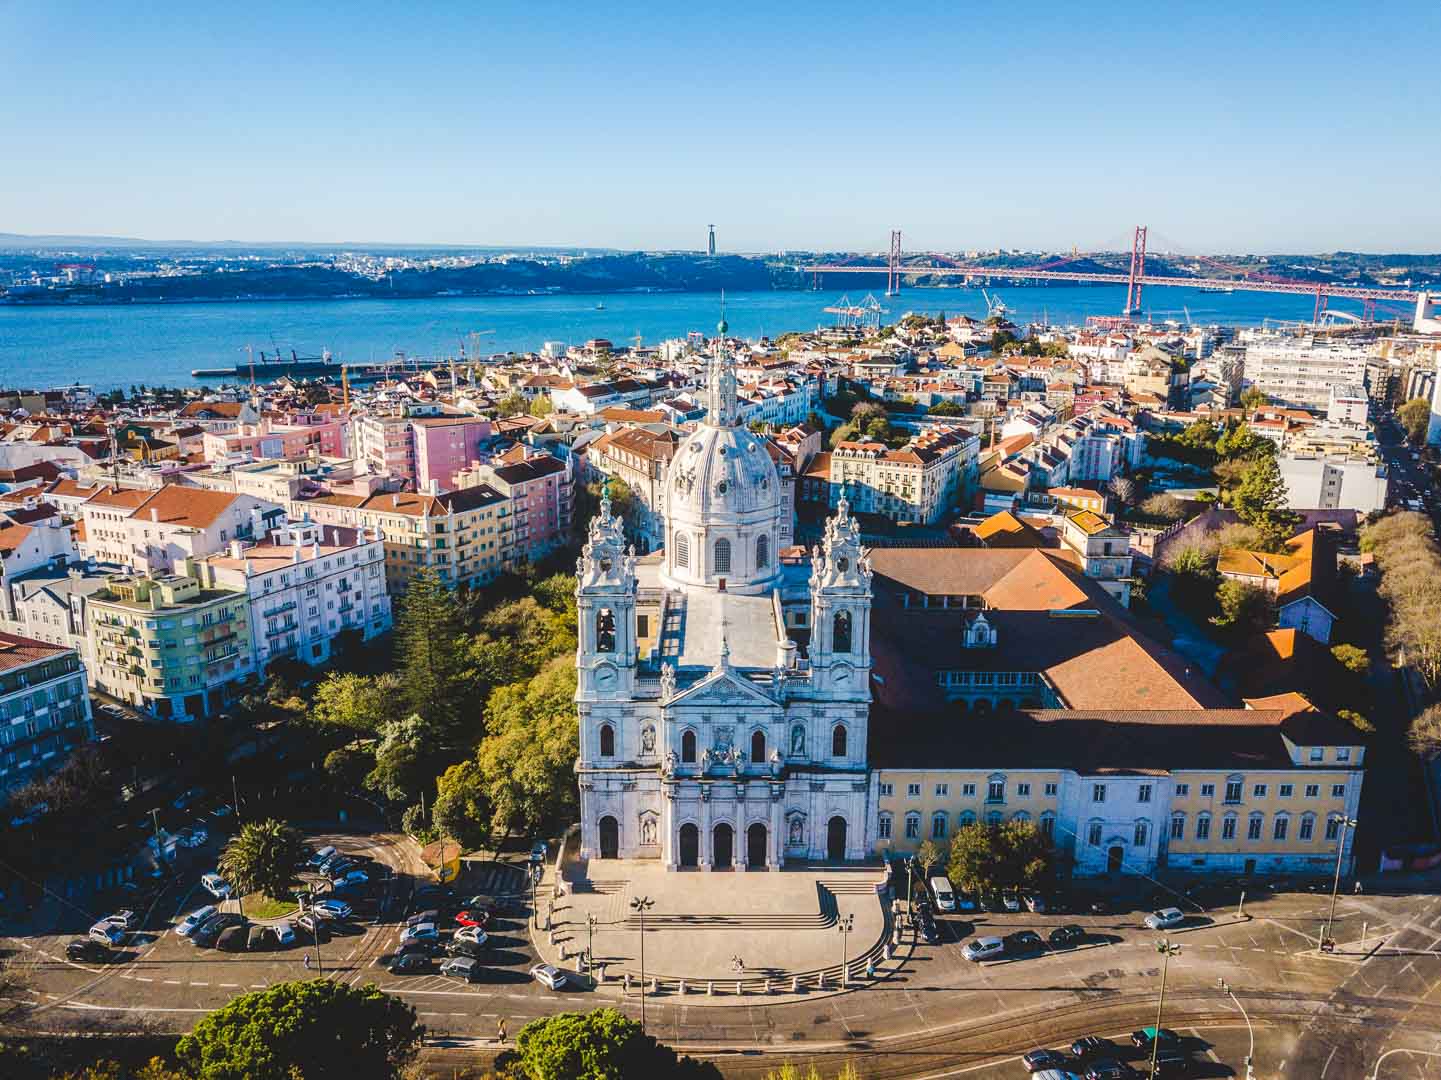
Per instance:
x=941, y=890
x=321, y=857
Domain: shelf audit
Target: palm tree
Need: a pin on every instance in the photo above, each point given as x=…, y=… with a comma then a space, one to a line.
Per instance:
x=262, y=857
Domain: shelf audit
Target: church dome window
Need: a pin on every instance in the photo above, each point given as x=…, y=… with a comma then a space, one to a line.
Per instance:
x=722, y=556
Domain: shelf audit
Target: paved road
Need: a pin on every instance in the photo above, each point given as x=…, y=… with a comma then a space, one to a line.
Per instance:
x=1315, y=1016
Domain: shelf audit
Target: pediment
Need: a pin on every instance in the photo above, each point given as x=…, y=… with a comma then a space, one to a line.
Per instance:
x=721, y=688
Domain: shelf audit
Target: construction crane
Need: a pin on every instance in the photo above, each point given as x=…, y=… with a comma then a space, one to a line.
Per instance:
x=995, y=308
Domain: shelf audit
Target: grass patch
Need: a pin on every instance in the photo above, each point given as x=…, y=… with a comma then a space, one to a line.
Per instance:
x=260, y=906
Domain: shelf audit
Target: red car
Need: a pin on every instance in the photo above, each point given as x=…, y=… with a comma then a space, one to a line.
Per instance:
x=473, y=918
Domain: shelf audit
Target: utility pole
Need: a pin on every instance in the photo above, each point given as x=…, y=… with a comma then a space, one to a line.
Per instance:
x=590, y=921
x=1344, y=824
x=844, y=926
x=1167, y=950
x=640, y=905
x=235, y=794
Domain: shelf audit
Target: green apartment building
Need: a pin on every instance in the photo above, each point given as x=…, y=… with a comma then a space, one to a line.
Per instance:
x=168, y=645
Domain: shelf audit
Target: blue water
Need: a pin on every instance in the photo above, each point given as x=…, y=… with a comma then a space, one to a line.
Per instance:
x=159, y=344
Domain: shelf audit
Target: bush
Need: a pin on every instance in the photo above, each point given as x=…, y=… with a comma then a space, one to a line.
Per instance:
x=1163, y=507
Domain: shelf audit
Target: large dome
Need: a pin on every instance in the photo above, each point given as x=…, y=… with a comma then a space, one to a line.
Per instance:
x=723, y=499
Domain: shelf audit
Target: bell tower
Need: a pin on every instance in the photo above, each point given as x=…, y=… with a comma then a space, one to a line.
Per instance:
x=840, y=650
x=605, y=607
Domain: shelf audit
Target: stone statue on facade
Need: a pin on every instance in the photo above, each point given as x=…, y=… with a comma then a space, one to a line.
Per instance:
x=667, y=682
x=670, y=762
x=647, y=740
x=777, y=762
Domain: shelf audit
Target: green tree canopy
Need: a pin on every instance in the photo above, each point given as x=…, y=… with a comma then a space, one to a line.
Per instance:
x=929, y=855
x=1011, y=855
x=946, y=408
x=358, y=703
x=1242, y=442
x=528, y=755
x=1261, y=501
x=318, y=1029
x=462, y=809
x=262, y=857
x=1415, y=417
x=1253, y=398
x=600, y=1045
x=430, y=653
x=1244, y=608
x=513, y=404
x=408, y=755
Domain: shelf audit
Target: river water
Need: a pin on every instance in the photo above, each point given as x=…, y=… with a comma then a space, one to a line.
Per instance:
x=159, y=344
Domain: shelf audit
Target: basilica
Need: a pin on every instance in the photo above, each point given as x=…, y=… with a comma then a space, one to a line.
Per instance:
x=724, y=682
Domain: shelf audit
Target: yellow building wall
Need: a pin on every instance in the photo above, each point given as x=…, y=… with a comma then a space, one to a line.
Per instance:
x=898, y=804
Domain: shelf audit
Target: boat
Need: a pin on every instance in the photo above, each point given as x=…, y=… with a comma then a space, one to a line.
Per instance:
x=599, y=307
x=275, y=366
x=1215, y=289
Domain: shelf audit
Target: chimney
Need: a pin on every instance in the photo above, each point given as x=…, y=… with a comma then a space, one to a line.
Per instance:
x=237, y=549
x=154, y=514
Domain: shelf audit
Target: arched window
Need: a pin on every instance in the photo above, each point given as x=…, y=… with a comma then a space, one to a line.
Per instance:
x=682, y=549
x=841, y=632
x=687, y=747
x=758, y=746
x=607, y=741
x=883, y=826
x=1308, y=826
x=1048, y=825
x=1203, y=826
x=1020, y=815
x=913, y=826
x=763, y=552
x=1142, y=833
x=605, y=630
x=722, y=556
x=967, y=818
x=838, y=741
x=993, y=818
x=938, y=826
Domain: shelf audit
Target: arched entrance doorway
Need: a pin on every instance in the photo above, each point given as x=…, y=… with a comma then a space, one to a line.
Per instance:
x=721, y=846
x=689, y=845
x=836, y=839
x=609, y=838
x=1114, y=858
x=756, y=846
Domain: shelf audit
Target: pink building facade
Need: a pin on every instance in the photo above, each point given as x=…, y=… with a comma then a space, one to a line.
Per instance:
x=285, y=441
x=444, y=446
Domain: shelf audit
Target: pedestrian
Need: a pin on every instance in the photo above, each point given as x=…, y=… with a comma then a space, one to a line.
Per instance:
x=307, y=961
x=500, y=1030
x=1357, y=890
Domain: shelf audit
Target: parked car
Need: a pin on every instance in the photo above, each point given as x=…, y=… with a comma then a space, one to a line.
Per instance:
x=1011, y=902
x=86, y=951
x=1037, y=1060
x=185, y=798
x=420, y=932
x=1035, y=902
x=983, y=948
x=1172, y=1063
x=215, y=885
x=1165, y=1036
x=1069, y=934
x=941, y=890
x=472, y=918
x=472, y=934
x=409, y=963
x=1108, y=1069
x=1024, y=941
x=1092, y=1046
x=186, y=926
x=321, y=857
x=456, y=948
x=462, y=967
x=1165, y=918
x=350, y=880
x=208, y=933
x=312, y=926
x=426, y=948
x=124, y=918
x=491, y=908
x=549, y=976
x=262, y=939
x=233, y=939
x=428, y=915
x=332, y=909
x=107, y=934
x=966, y=902
x=539, y=851
x=284, y=933
x=198, y=834
x=927, y=928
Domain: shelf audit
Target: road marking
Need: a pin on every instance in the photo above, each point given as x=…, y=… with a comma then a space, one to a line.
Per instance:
x=172, y=982
x=142, y=978
x=231, y=986
x=1329, y=1056
x=200, y=984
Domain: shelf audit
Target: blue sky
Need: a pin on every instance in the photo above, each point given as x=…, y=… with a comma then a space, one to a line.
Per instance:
x=1225, y=127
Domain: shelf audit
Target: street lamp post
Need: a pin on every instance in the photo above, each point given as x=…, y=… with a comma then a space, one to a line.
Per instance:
x=534, y=905
x=1167, y=950
x=640, y=905
x=846, y=923
x=1345, y=823
x=590, y=921
x=1250, y=1032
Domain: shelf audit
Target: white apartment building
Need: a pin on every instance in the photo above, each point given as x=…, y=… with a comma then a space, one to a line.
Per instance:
x=923, y=481
x=1347, y=405
x=157, y=530
x=1299, y=373
x=1334, y=481
x=308, y=584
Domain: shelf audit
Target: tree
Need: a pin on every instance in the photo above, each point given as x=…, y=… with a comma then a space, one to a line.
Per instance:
x=429, y=651
x=540, y=406
x=1424, y=735
x=1253, y=398
x=946, y=408
x=929, y=854
x=462, y=810
x=1242, y=441
x=1353, y=659
x=262, y=857
x=347, y=766
x=1261, y=501
x=1163, y=507
x=513, y=404
x=1415, y=417
x=318, y=1029
x=988, y=858
x=406, y=758
x=528, y=755
x=1245, y=608
x=358, y=703
x=1125, y=489
x=600, y=1045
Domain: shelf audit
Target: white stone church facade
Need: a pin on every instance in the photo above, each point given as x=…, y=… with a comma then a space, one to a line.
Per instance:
x=707, y=738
